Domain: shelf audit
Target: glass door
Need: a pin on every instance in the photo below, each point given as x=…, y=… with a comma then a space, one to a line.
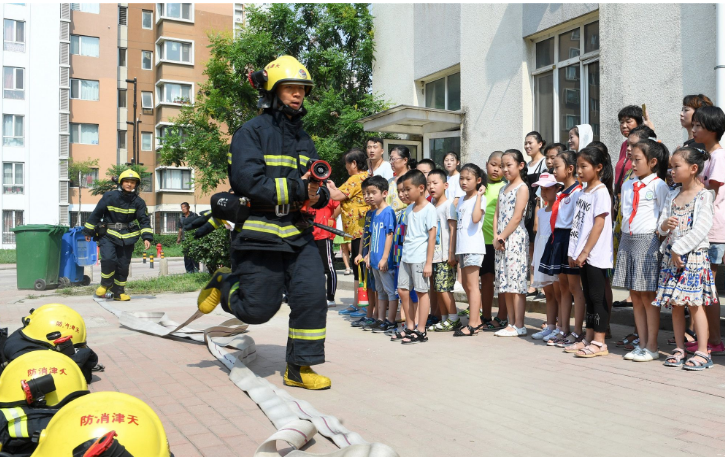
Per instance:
x=441, y=143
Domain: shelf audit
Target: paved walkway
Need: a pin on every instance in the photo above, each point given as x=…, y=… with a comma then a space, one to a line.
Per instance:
x=451, y=396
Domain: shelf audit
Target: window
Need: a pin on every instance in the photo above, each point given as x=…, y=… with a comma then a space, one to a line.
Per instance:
x=147, y=183
x=179, y=11
x=147, y=18
x=175, y=51
x=165, y=130
x=146, y=141
x=86, y=7
x=121, y=57
x=122, y=15
x=171, y=222
x=566, y=82
x=122, y=139
x=13, y=87
x=122, y=98
x=146, y=57
x=83, y=89
x=14, y=36
x=84, y=133
x=173, y=179
x=13, y=132
x=444, y=93
x=11, y=219
x=12, y=178
x=86, y=179
x=84, y=215
x=147, y=100
x=175, y=93
x=84, y=45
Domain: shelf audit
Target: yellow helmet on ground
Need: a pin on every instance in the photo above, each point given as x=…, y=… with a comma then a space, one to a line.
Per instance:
x=47, y=375
x=101, y=424
x=287, y=69
x=129, y=174
x=52, y=321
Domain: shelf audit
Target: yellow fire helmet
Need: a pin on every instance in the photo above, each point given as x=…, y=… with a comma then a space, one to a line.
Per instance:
x=41, y=378
x=287, y=69
x=53, y=321
x=129, y=174
x=103, y=424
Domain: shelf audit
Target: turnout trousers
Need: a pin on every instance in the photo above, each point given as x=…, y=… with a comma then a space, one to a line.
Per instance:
x=115, y=260
x=253, y=293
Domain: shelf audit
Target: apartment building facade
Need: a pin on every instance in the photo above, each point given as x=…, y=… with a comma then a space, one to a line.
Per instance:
x=475, y=78
x=163, y=47
x=34, y=108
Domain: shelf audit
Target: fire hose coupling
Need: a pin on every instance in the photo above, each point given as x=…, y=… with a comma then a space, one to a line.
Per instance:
x=37, y=388
x=320, y=171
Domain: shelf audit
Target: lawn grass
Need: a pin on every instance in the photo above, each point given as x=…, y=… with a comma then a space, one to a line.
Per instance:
x=174, y=284
x=7, y=256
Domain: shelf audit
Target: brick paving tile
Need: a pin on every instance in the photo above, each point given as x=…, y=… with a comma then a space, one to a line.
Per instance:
x=450, y=396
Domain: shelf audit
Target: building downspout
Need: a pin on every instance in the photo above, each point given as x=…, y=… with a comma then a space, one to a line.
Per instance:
x=720, y=56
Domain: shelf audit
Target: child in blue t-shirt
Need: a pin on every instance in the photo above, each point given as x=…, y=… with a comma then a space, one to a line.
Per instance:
x=380, y=255
x=366, y=321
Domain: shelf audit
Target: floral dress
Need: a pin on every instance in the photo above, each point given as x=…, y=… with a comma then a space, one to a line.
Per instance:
x=393, y=200
x=512, y=271
x=692, y=285
x=354, y=208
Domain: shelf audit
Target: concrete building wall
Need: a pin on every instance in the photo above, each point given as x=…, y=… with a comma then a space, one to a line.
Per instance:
x=394, y=66
x=538, y=17
x=437, y=37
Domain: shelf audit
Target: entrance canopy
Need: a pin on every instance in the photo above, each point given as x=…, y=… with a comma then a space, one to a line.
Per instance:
x=412, y=120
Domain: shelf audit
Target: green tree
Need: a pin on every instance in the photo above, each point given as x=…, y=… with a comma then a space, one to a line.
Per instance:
x=101, y=186
x=335, y=43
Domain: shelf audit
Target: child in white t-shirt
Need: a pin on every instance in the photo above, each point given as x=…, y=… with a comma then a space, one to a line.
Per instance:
x=469, y=242
x=591, y=249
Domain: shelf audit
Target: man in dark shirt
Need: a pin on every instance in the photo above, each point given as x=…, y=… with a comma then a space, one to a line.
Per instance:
x=189, y=263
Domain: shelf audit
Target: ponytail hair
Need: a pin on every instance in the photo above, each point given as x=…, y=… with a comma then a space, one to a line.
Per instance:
x=537, y=137
x=653, y=149
x=519, y=158
x=569, y=158
x=476, y=170
x=693, y=156
x=596, y=156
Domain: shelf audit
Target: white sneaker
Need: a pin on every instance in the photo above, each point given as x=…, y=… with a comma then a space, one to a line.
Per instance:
x=543, y=334
x=521, y=331
x=331, y=303
x=631, y=354
x=508, y=331
x=645, y=355
x=458, y=288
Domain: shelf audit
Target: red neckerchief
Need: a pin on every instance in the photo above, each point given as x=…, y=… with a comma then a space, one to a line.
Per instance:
x=635, y=201
x=555, y=206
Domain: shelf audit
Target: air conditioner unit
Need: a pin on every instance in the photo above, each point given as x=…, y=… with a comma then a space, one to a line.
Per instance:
x=237, y=19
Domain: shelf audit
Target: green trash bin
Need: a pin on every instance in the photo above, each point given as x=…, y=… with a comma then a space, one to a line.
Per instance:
x=38, y=255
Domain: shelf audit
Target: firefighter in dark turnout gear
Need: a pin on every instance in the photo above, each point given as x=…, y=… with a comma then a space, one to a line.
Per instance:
x=273, y=249
x=125, y=218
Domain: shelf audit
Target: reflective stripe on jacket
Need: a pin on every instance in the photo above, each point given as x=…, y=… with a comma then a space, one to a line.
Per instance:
x=125, y=208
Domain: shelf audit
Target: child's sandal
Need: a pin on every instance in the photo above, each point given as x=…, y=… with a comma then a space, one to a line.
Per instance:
x=397, y=336
x=593, y=350
x=576, y=347
x=629, y=339
x=696, y=364
x=677, y=359
x=415, y=337
x=489, y=327
x=471, y=331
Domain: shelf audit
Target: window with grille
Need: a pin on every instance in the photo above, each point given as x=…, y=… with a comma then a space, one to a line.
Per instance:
x=84, y=133
x=566, y=82
x=14, y=35
x=80, y=218
x=84, y=45
x=86, y=179
x=122, y=15
x=83, y=89
x=174, y=179
x=11, y=219
x=13, y=83
x=13, y=179
x=13, y=130
x=171, y=222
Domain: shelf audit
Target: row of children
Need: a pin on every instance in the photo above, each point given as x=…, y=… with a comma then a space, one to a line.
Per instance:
x=575, y=241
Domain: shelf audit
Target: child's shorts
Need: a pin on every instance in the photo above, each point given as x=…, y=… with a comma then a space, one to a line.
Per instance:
x=444, y=277
x=412, y=274
x=385, y=284
x=716, y=253
x=489, y=261
x=371, y=281
x=470, y=260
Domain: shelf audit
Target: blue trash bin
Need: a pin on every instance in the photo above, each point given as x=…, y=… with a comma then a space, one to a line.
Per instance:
x=76, y=253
